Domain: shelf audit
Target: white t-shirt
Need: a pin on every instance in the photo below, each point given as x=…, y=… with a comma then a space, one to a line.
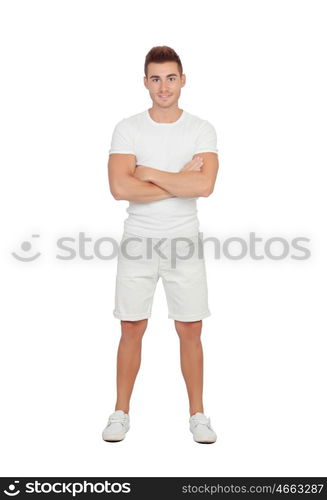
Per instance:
x=164, y=146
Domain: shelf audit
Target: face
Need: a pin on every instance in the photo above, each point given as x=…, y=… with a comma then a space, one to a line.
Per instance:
x=164, y=83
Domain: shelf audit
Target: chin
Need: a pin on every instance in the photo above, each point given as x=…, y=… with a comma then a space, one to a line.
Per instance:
x=167, y=104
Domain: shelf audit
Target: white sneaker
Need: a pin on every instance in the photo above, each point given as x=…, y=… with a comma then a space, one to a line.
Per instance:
x=117, y=426
x=201, y=429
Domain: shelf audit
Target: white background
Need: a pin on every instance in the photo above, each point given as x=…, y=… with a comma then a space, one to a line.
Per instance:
x=70, y=71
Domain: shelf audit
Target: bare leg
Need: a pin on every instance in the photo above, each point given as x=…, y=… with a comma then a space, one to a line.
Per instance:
x=191, y=356
x=128, y=360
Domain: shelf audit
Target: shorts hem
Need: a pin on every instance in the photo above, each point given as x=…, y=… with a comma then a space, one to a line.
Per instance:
x=131, y=317
x=192, y=233
x=192, y=317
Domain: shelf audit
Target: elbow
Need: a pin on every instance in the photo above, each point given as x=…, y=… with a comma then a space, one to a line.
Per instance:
x=121, y=189
x=205, y=194
x=206, y=191
x=117, y=194
x=114, y=193
x=117, y=191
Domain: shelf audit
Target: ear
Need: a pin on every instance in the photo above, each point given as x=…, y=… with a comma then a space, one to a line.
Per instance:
x=183, y=79
x=145, y=81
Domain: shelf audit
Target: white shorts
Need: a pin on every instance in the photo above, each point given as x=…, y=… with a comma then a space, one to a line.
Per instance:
x=178, y=261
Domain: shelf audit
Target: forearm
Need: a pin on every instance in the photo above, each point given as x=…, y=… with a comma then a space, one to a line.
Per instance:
x=133, y=189
x=183, y=184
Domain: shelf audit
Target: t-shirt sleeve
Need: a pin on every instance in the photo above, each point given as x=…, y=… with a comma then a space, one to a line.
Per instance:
x=206, y=141
x=121, y=141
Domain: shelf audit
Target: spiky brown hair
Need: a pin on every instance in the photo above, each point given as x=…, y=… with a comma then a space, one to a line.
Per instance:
x=161, y=54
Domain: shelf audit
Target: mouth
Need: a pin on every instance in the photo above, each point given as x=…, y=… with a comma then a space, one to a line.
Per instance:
x=164, y=96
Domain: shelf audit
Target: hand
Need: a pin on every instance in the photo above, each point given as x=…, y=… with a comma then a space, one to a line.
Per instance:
x=141, y=173
x=195, y=164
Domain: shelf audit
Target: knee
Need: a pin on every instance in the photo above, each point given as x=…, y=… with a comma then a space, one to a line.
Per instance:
x=189, y=331
x=133, y=331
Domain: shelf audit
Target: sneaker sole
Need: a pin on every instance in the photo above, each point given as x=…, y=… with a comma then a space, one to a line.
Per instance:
x=113, y=439
x=205, y=442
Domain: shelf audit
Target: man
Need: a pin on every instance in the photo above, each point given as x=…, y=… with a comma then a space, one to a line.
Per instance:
x=161, y=160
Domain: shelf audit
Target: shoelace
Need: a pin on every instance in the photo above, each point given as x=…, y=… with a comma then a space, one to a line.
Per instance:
x=202, y=421
x=118, y=420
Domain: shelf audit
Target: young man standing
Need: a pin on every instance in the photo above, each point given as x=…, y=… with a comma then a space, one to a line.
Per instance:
x=161, y=160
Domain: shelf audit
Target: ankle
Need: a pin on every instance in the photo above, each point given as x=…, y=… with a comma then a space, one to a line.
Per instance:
x=198, y=409
x=123, y=408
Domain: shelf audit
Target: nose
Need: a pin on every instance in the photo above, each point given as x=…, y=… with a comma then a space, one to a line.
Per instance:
x=163, y=87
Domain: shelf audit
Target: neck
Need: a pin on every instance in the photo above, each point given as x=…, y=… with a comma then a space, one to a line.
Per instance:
x=165, y=115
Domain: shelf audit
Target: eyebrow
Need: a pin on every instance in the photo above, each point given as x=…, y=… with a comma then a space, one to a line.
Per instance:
x=157, y=76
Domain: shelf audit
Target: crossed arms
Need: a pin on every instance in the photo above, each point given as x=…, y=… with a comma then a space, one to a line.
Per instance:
x=146, y=184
